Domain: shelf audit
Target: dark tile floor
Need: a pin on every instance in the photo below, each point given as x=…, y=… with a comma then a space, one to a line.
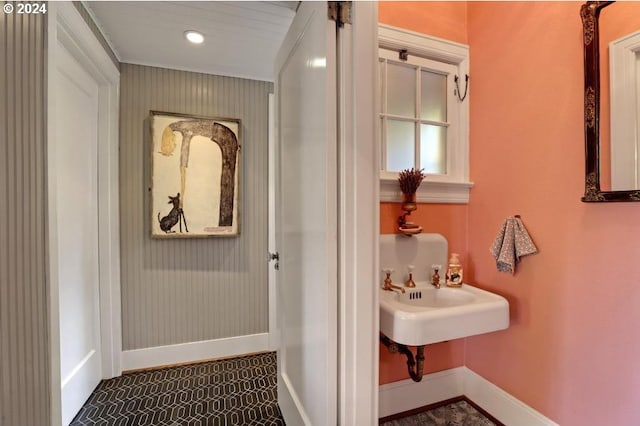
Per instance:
x=458, y=413
x=231, y=392
x=238, y=391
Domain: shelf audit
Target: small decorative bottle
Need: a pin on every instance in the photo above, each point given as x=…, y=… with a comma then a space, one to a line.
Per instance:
x=454, y=271
x=435, y=278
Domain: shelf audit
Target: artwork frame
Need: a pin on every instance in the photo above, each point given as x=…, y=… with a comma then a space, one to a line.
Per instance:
x=195, y=175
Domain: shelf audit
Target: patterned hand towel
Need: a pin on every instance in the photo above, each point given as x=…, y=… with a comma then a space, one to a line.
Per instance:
x=513, y=242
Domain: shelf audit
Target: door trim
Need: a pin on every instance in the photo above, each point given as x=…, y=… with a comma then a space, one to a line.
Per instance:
x=271, y=229
x=358, y=217
x=66, y=29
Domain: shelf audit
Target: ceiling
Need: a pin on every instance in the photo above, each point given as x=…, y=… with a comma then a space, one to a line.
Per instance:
x=242, y=38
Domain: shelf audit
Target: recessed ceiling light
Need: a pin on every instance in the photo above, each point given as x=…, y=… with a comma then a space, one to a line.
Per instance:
x=194, y=36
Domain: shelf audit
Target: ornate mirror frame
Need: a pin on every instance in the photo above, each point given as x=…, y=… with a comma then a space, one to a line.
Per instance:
x=590, y=13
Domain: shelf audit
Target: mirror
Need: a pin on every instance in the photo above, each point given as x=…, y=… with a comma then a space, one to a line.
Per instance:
x=590, y=13
x=619, y=45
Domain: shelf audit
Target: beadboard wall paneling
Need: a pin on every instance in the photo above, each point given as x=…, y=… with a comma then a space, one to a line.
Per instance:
x=88, y=18
x=24, y=345
x=186, y=290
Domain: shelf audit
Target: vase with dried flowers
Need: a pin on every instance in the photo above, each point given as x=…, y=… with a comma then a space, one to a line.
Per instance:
x=409, y=180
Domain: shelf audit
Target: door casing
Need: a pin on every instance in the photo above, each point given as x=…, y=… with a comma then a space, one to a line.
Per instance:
x=358, y=218
x=66, y=29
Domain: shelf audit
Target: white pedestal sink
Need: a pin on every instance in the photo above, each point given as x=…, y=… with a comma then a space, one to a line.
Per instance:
x=425, y=314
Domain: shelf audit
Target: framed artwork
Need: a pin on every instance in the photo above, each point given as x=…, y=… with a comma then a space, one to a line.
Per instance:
x=194, y=175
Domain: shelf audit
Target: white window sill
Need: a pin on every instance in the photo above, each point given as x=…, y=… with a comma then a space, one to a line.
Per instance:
x=428, y=192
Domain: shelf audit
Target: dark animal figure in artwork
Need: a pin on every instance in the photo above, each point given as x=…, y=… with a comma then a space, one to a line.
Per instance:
x=176, y=215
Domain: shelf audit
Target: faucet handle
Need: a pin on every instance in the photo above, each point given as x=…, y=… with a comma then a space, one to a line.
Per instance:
x=410, y=282
x=388, y=284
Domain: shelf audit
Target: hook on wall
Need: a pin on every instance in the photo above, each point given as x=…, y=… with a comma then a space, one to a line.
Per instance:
x=403, y=54
x=466, y=87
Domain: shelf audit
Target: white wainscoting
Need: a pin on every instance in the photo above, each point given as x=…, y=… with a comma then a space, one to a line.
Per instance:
x=158, y=356
x=406, y=395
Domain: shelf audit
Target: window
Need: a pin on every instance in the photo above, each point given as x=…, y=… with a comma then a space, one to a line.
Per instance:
x=422, y=122
x=416, y=112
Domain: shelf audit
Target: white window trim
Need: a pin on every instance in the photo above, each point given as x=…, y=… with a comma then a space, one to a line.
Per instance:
x=454, y=187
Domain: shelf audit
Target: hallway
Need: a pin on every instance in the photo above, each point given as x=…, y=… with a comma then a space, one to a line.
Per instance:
x=236, y=391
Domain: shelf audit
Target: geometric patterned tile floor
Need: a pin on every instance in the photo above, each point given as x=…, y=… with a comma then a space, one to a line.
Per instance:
x=230, y=392
x=458, y=413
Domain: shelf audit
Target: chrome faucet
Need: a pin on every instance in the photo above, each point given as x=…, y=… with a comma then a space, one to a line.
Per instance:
x=388, y=286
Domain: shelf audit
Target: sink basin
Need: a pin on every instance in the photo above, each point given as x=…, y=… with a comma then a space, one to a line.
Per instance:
x=425, y=314
x=434, y=298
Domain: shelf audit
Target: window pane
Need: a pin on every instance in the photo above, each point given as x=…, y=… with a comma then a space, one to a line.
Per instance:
x=434, y=96
x=400, y=145
x=433, y=149
x=401, y=90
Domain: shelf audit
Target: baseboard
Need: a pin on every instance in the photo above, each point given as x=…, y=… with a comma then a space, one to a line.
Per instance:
x=407, y=395
x=500, y=404
x=158, y=356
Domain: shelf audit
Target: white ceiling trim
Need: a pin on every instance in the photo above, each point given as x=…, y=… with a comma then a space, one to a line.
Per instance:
x=97, y=22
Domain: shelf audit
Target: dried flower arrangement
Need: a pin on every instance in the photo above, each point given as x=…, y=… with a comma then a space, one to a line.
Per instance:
x=410, y=180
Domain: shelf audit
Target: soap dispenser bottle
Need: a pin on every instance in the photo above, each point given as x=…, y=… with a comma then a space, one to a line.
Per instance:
x=454, y=271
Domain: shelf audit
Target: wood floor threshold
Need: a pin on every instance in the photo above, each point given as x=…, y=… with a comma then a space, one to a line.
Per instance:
x=435, y=405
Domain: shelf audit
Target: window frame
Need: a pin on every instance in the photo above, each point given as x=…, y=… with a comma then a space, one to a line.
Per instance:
x=417, y=64
x=454, y=186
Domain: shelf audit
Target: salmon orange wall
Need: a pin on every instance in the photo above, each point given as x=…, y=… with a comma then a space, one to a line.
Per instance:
x=445, y=20
x=572, y=351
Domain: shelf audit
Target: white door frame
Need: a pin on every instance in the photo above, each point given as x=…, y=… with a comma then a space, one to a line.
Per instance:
x=359, y=159
x=274, y=337
x=66, y=29
x=358, y=217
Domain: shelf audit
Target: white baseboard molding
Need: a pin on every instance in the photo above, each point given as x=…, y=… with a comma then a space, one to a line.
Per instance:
x=157, y=356
x=501, y=405
x=406, y=395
